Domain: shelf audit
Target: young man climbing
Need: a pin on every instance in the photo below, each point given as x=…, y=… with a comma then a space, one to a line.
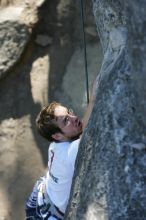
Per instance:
x=63, y=129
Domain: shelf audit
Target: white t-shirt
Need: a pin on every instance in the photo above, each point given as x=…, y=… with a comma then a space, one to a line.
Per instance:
x=61, y=163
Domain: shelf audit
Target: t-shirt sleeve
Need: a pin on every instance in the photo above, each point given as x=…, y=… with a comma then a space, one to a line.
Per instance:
x=72, y=153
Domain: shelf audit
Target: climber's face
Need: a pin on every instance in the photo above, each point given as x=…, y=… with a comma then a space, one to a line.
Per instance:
x=70, y=125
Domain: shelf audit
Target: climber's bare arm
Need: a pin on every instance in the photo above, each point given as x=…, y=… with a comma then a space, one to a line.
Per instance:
x=91, y=104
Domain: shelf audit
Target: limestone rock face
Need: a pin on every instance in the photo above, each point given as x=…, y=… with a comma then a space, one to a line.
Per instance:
x=110, y=181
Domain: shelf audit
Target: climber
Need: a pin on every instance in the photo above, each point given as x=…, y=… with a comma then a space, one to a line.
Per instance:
x=63, y=129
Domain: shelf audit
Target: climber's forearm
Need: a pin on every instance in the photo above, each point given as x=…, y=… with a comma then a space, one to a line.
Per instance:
x=87, y=113
x=91, y=104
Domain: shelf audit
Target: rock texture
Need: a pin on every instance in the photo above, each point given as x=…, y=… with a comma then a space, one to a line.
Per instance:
x=13, y=40
x=110, y=181
x=16, y=23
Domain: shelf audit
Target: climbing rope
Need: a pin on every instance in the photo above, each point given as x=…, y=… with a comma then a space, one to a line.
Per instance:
x=84, y=45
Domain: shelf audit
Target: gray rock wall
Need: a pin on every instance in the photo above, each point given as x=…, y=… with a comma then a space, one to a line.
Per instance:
x=110, y=170
x=12, y=44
